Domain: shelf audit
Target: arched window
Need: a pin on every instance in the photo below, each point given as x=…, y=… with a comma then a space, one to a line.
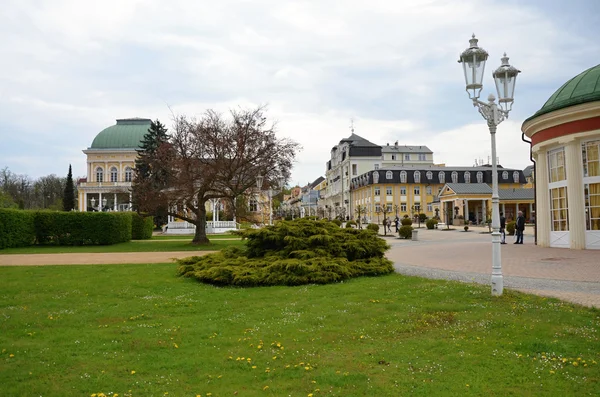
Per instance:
x=505, y=175
x=454, y=177
x=402, y=176
x=442, y=177
x=128, y=174
x=467, y=177
x=99, y=174
x=516, y=176
x=417, y=176
x=375, y=177
x=113, y=174
x=479, y=177
x=429, y=175
x=388, y=175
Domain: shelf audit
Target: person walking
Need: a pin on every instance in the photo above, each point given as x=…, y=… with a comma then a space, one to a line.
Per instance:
x=503, y=227
x=397, y=223
x=520, y=228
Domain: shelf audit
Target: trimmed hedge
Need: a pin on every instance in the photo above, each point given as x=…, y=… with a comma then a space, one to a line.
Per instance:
x=405, y=231
x=16, y=228
x=82, y=228
x=431, y=223
x=141, y=227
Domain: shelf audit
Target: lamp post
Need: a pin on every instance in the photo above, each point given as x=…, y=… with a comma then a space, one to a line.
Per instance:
x=473, y=60
x=93, y=201
x=270, y=193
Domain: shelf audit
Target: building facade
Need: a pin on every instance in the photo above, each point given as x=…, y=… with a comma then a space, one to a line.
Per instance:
x=565, y=143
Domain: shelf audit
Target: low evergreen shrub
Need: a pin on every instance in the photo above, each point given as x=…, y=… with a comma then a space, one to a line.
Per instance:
x=16, y=228
x=336, y=222
x=406, y=221
x=405, y=231
x=141, y=227
x=350, y=224
x=422, y=217
x=431, y=223
x=374, y=227
x=511, y=227
x=293, y=253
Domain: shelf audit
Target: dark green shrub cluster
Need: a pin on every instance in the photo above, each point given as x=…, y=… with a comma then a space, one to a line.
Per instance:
x=293, y=253
x=511, y=227
x=431, y=223
x=141, y=227
x=422, y=217
x=374, y=227
x=336, y=222
x=82, y=228
x=350, y=224
x=16, y=228
x=405, y=231
x=406, y=221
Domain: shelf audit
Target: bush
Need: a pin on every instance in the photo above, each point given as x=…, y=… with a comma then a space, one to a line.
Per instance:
x=293, y=253
x=466, y=228
x=511, y=227
x=17, y=228
x=405, y=231
x=82, y=228
x=374, y=227
x=141, y=227
x=422, y=217
x=406, y=221
x=336, y=222
x=431, y=223
x=350, y=224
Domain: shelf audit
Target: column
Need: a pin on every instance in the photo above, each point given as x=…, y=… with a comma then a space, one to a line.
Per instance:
x=484, y=210
x=516, y=210
x=130, y=205
x=504, y=209
x=100, y=201
x=115, y=203
x=530, y=211
x=573, y=164
x=466, y=212
x=542, y=198
x=85, y=201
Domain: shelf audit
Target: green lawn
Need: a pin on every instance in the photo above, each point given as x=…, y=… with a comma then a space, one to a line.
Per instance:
x=131, y=246
x=189, y=237
x=137, y=330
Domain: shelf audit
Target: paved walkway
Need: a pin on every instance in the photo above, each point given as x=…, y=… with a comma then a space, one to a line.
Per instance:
x=571, y=275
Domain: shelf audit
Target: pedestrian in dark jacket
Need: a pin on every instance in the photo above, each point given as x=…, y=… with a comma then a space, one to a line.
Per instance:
x=520, y=228
x=503, y=227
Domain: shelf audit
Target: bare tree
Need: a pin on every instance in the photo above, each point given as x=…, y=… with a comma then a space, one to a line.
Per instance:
x=215, y=157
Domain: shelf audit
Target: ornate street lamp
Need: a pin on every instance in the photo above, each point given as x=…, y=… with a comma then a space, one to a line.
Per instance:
x=473, y=60
x=93, y=201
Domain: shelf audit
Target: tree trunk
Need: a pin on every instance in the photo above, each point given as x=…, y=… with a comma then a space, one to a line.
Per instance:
x=200, y=235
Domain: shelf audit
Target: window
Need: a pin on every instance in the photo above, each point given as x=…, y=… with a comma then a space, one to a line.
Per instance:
x=407, y=157
x=505, y=175
x=388, y=175
x=556, y=165
x=429, y=207
x=479, y=177
x=393, y=157
x=422, y=157
x=454, y=177
x=592, y=206
x=467, y=177
x=558, y=209
x=375, y=166
x=377, y=191
x=428, y=189
x=417, y=176
x=429, y=175
x=402, y=176
x=354, y=170
x=516, y=177
x=591, y=159
x=417, y=190
x=403, y=190
x=389, y=207
x=403, y=207
x=99, y=174
x=375, y=177
x=253, y=205
x=377, y=208
x=128, y=174
x=388, y=190
x=113, y=174
x=417, y=208
x=442, y=177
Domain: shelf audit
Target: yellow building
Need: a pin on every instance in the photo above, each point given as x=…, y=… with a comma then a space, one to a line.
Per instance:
x=413, y=190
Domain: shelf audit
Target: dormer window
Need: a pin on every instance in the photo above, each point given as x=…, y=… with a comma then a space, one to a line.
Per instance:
x=442, y=177
x=375, y=177
x=505, y=175
x=429, y=175
x=388, y=175
x=402, y=176
x=516, y=176
x=454, y=177
x=417, y=176
x=467, y=177
x=479, y=177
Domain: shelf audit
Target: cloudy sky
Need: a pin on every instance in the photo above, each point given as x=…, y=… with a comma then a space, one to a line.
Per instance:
x=70, y=68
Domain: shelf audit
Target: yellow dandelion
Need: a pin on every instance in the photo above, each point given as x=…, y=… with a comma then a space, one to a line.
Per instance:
x=248, y=359
x=219, y=377
x=11, y=355
x=274, y=357
x=310, y=395
x=313, y=381
x=307, y=368
x=132, y=372
x=198, y=395
x=551, y=371
x=467, y=385
x=175, y=346
x=209, y=394
x=254, y=367
x=575, y=363
x=281, y=348
x=265, y=388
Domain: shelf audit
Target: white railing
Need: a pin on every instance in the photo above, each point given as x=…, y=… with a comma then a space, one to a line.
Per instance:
x=211, y=227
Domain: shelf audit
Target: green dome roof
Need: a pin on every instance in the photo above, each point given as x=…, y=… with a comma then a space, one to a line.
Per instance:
x=585, y=87
x=126, y=134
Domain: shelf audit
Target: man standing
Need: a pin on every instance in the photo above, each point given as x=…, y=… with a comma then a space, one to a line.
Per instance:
x=503, y=227
x=520, y=227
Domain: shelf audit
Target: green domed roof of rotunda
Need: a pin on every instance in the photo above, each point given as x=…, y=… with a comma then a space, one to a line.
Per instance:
x=126, y=134
x=585, y=87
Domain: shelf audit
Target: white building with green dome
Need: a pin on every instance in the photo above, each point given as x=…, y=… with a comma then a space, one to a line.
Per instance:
x=565, y=144
x=110, y=165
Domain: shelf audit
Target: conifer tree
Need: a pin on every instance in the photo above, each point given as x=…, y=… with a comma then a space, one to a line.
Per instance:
x=69, y=192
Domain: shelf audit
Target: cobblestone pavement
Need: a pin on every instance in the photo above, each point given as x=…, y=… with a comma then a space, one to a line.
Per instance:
x=571, y=275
